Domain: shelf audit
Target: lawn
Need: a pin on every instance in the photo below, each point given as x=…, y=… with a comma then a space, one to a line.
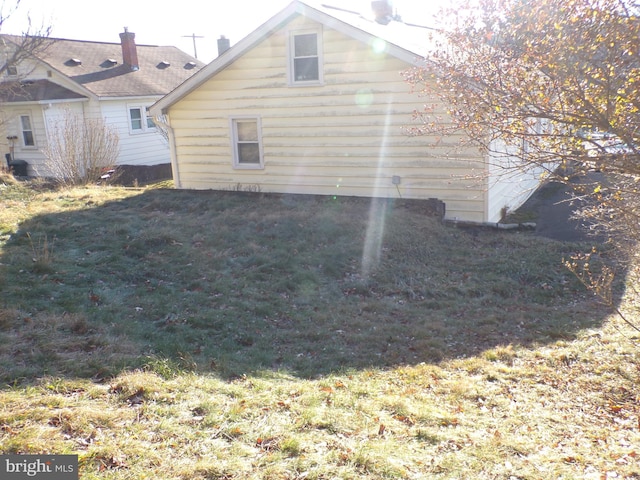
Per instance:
x=165, y=334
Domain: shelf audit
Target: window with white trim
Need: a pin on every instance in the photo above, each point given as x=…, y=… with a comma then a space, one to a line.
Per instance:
x=140, y=120
x=246, y=141
x=305, y=57
x=26, y=125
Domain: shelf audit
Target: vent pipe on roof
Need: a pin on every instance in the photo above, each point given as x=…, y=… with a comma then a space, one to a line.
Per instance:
x=129, y=50
x=382, y=11
x=224, y=44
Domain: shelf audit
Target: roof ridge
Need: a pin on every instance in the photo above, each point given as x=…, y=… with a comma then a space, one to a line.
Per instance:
x=101, y=42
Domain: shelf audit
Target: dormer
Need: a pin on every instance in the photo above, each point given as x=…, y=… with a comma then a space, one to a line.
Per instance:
x=109, y=62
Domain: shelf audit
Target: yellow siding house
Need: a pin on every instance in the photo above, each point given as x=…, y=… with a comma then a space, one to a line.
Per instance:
x=315, y=102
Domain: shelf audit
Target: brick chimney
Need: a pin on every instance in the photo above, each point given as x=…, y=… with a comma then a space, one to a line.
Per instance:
x=129, y=50
x=382, y=11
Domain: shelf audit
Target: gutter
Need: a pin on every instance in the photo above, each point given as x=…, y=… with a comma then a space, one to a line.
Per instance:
x=494, y=225
x=26, y=103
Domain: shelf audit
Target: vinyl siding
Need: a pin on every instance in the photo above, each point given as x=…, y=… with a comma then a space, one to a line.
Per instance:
x=345, y=137
x=510, y=183
x=147, y=148
x=141, y=148
x=11, y=126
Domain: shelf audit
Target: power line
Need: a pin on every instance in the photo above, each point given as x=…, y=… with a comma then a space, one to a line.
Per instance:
x=193, y=36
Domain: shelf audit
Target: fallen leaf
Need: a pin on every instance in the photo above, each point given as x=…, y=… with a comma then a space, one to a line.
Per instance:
x=267, y=444
x=404, y=419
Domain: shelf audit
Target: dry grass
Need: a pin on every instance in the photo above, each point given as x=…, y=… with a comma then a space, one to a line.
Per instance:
x=183, y=335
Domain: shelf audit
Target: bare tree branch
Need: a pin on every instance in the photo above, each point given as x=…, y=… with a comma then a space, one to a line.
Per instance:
x=554, y=82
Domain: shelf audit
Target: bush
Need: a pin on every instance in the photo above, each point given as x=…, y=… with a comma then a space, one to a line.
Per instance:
x=80, y=150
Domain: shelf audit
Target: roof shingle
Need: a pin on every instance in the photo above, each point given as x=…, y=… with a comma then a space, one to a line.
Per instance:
x=98, y=67
x=35, y=91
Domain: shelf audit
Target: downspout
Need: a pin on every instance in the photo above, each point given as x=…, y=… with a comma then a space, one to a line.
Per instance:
x=166, y=126
x=494, y=225
x=487, y=186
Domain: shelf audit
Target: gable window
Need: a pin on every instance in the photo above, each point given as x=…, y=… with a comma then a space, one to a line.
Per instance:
x=140, y=120
x=28, y=139
x=305, y=62
x=246, y=142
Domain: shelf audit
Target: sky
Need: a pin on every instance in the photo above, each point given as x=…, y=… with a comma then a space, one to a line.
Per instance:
x=168, y=22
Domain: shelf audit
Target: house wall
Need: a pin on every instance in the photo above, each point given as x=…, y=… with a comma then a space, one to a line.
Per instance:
x=10, y=123
x=144, y=148
x=510, y=180
x=10, y=126
x=140, y=148
x=347, y=137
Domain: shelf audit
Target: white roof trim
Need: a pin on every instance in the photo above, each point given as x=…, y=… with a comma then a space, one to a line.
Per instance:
x=224, y=60
x=73, y=85
x=25, y=103
x=134, y=98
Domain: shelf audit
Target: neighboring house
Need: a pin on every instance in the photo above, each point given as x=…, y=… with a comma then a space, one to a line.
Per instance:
x=314, y=102
x=115, y=81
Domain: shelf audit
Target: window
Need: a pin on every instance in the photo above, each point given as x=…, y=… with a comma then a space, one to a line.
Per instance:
x=305, y=66
x=28, y=138
x=247, y=147
x=150, y=123
x=135, y=115
x=12, y=70
x=139, y=120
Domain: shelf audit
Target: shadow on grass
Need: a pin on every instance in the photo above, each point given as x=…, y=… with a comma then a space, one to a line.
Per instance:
x=236, y=284
x=552, y=209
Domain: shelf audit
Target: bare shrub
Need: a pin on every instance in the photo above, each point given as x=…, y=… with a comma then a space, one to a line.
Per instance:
x=80, y=151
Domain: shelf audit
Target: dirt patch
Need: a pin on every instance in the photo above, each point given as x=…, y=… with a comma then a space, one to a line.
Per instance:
x=132, y=175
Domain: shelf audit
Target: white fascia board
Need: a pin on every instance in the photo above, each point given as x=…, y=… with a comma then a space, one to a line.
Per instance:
x=70, y=84
x=278, y=21
x=226, y=59
x=132, y=98
x=365, y=37
x=43, y=102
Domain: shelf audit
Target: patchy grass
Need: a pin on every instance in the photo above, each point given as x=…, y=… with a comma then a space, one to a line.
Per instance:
x=201, y=335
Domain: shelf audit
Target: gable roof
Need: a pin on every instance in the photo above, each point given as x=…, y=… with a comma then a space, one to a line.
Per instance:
x=98, y=68
x=404, y=41
x=36, y=91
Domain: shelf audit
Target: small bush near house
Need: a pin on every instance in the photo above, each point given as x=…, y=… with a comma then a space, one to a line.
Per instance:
x=79, y=151
x=5, y=177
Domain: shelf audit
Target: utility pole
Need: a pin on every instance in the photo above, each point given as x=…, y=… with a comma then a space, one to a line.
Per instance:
x=193, y=36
